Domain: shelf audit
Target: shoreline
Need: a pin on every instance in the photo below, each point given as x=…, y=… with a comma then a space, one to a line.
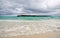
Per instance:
x=26, y=27
x=25, y=19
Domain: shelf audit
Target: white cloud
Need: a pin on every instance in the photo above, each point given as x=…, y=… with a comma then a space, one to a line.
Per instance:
x=45, y=6
x=30, y=6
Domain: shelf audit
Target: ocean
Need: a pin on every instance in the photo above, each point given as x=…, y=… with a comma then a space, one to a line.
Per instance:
x=27, y=18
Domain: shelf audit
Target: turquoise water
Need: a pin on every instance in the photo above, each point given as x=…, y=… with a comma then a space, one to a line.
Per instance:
x=27, y=18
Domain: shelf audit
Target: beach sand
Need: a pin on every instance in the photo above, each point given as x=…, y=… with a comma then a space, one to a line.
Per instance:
x=44, y=35
x=30, y=29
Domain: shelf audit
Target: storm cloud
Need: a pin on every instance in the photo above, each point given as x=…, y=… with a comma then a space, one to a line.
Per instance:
x=41, y=7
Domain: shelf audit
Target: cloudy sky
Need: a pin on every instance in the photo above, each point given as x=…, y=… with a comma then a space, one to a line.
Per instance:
x=40, y=7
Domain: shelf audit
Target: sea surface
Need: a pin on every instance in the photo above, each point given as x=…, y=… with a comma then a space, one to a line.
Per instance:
x=27, y=18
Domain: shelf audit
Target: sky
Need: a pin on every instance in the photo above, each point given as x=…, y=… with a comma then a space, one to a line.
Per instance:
x=39, y=7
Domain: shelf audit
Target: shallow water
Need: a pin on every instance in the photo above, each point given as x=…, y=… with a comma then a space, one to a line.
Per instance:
x=13, y=26
x=9, y=28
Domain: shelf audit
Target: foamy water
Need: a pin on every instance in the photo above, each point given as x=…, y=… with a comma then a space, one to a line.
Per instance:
x=10, y=28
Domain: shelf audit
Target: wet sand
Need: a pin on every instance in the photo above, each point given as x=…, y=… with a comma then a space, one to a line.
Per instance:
x=44, y=35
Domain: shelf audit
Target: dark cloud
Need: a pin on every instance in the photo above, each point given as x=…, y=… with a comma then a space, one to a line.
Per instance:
x=47, y=7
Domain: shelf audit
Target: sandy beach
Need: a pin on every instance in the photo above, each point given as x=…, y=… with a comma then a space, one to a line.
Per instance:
x=44, y=35
x=30, y=29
